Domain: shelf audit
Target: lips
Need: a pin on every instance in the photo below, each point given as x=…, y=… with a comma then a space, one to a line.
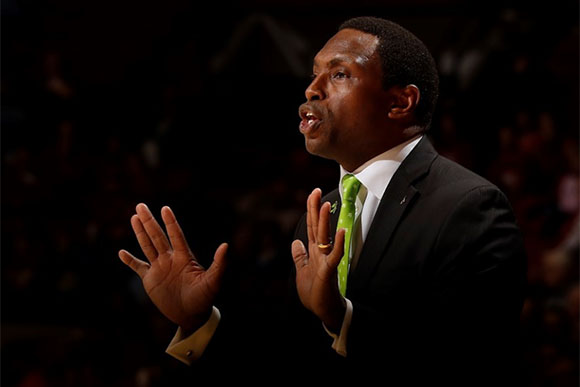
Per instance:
x=310, y=118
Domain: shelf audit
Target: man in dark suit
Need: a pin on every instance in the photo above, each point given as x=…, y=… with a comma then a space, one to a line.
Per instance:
x=437, y=266
x=422, y=280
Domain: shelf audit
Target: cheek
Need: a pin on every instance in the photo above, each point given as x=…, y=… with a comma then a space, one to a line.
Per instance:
x=351, y=113
x=370, y=108
x=346, y=108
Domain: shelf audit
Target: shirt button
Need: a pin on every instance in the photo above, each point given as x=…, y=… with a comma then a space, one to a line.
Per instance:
x=189, y=353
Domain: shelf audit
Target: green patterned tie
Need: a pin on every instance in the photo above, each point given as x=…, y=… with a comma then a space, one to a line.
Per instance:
x=350, y=187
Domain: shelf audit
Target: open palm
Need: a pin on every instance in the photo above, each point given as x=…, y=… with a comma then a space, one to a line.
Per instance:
x=174, y=280
x=316, y=268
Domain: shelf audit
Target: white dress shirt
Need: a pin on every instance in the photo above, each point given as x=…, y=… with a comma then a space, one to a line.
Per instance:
x=374, y=175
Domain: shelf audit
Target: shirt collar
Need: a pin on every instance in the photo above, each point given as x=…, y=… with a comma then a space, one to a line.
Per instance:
x=376, y=173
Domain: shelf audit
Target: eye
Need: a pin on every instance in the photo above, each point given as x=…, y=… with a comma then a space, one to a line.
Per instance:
x=339, y=75
x=312, y=77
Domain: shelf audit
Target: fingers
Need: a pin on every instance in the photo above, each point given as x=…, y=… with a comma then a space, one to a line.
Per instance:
x=337, y=250
x=153, y=229
x=312, y=209
x=137, y=265
x=144, y=241
x=174, y=231
x=299, y=254
x=322, y=235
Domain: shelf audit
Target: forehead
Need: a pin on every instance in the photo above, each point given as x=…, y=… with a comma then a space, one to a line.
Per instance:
x=351, y=44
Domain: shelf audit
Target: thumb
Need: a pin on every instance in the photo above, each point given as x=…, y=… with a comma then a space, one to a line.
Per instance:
x=299, y=254
x=218, y=267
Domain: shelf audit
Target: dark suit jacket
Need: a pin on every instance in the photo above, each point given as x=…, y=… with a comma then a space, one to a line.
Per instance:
x=439, y=285
x=437, y=295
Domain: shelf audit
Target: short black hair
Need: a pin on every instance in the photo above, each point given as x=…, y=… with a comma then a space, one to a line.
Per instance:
x=405, y=60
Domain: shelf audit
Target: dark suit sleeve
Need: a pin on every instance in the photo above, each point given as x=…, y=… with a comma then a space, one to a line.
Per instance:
x=464, y=317
x=475, y=296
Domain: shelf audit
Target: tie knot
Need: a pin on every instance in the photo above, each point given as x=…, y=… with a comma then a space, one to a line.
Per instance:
x=350, y=187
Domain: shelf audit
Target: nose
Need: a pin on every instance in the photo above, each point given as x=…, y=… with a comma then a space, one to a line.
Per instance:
x=314, y=91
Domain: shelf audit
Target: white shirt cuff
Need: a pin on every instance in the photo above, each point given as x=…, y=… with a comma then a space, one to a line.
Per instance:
x=339, y=343
x=189, y=349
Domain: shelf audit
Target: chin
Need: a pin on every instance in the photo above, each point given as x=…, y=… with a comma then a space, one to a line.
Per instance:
x=315, y=148
x=312, y=145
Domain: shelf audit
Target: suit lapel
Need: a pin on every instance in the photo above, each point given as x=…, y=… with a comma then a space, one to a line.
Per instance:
x=398, y=198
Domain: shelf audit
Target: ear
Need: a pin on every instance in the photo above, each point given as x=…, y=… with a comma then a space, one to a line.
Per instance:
x=404, y=101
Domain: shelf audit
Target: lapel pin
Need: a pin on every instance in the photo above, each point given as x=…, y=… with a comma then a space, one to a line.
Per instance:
x=333, y=207
x=404, y=200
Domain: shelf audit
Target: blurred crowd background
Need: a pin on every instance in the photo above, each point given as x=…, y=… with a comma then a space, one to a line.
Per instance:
x=106, y=104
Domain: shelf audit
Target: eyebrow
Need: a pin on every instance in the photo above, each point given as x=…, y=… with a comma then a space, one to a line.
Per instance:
x=336, y=61
x=339, y=60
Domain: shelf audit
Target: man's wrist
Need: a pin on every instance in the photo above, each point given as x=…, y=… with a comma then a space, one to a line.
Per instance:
x=333, y=320
x=189, y=327
x=189, y=347
x=340, y=339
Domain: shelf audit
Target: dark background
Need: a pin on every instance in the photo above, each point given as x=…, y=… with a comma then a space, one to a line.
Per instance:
x=106, y=104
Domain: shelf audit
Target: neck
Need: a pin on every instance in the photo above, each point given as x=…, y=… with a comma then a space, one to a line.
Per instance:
x=354, y=166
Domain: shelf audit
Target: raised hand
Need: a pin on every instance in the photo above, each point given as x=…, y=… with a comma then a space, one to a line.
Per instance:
x=176, y=283
x=316, y=269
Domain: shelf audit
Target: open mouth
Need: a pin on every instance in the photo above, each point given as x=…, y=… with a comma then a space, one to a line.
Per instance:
x=310, y=121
